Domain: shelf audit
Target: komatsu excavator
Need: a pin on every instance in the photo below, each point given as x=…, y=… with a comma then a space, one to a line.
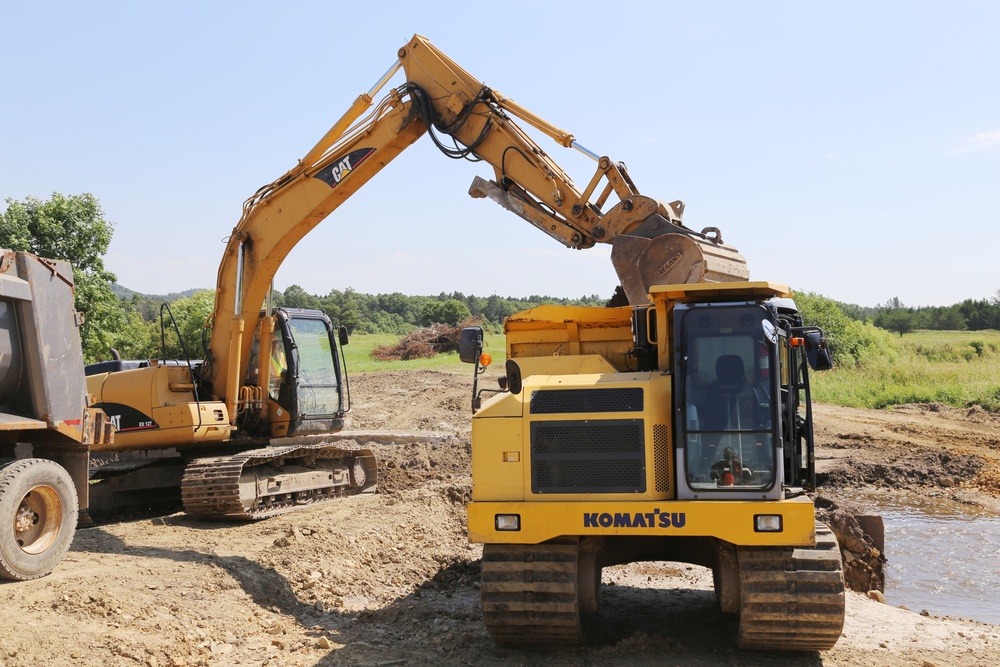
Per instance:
x=249, y=434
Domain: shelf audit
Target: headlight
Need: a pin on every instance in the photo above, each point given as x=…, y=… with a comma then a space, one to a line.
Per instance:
x=767, y=523
x=508, y=521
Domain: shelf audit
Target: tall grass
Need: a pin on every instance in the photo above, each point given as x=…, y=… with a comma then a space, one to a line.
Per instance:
x=957, y=368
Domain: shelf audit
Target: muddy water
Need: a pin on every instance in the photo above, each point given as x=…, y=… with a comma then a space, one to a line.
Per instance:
x=943, y=556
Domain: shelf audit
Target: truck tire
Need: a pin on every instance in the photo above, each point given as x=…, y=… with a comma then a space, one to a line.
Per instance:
x=38, y=513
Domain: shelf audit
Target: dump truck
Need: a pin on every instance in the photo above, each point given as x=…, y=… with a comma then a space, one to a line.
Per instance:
x=677, y=430
x=47, y=425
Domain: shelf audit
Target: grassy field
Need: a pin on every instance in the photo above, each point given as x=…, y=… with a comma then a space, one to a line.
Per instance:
x=358, y=352
x=955, y=368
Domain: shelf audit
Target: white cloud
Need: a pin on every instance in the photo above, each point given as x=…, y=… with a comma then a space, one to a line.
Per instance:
x=983, y=140
x=986, y=139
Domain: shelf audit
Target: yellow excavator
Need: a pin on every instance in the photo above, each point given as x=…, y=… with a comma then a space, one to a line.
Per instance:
x=246, y=431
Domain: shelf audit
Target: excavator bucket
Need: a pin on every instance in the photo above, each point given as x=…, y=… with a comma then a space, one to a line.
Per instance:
x=672, y=259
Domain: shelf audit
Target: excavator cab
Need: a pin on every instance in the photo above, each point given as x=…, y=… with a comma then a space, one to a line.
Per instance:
x=307, y=379
x=743, y=385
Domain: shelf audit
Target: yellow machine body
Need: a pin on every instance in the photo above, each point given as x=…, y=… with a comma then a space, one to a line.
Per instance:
x=155, y=408
x=606, y=445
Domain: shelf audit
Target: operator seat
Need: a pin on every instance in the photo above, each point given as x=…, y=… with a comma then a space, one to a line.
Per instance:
x=730, y=400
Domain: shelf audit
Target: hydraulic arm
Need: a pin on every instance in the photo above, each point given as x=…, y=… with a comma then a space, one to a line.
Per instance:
x=466, y=119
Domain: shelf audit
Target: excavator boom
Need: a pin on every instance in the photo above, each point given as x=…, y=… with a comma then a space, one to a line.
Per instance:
x=466, y=119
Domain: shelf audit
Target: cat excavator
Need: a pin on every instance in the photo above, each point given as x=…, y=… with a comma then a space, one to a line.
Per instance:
x=248, y=432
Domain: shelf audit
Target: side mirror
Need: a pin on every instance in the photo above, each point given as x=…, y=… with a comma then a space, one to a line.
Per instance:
x=342, y=336
x=513, y=376
x=817, y=351
x=470, y=345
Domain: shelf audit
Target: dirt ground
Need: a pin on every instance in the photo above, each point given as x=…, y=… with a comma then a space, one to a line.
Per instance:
x=390, y=579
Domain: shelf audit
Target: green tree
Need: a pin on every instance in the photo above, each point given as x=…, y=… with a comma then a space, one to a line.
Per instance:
x=73, y=228
x=296, y=297
x=350, y=314
x=497, y=309
x=449, y=312
x=190, y=314
x=897, y=321
x=140, y=339
x=851, y=342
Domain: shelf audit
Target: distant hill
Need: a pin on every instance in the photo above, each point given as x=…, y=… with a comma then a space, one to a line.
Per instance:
x=126, y=293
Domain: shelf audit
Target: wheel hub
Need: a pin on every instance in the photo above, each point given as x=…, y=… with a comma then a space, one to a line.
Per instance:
x=25, y=519
x=38, y=519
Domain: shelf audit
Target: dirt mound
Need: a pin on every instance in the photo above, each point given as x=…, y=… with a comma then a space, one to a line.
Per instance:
x=391, y=578
x=864, y=562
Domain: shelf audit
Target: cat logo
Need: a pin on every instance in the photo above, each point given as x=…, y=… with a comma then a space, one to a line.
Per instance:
x=126, y=418
x=337, y=171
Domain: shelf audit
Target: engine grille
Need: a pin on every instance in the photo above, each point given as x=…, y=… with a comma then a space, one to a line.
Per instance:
x=661, y=459
x=573, y=401
x=606, y=456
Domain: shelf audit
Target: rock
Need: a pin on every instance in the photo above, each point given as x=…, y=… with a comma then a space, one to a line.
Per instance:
x=324, y=643
x=221, y=649
x=282, y=542
x=877, y=596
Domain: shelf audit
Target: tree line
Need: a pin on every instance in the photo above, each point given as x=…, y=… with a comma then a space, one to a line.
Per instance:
x=142, y=326
x=394, y=313
x=969, y=315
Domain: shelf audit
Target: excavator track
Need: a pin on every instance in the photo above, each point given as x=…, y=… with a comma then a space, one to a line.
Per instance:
x=791, y=599
x=261, y=483
x=530, y=595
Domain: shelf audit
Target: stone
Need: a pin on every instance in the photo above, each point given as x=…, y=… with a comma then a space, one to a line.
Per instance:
x=877, y=596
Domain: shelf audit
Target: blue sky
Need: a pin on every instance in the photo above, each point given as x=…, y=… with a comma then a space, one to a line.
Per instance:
x=850, y=149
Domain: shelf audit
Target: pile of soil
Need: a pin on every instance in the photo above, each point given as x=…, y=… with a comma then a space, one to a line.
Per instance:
x=390, y=578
